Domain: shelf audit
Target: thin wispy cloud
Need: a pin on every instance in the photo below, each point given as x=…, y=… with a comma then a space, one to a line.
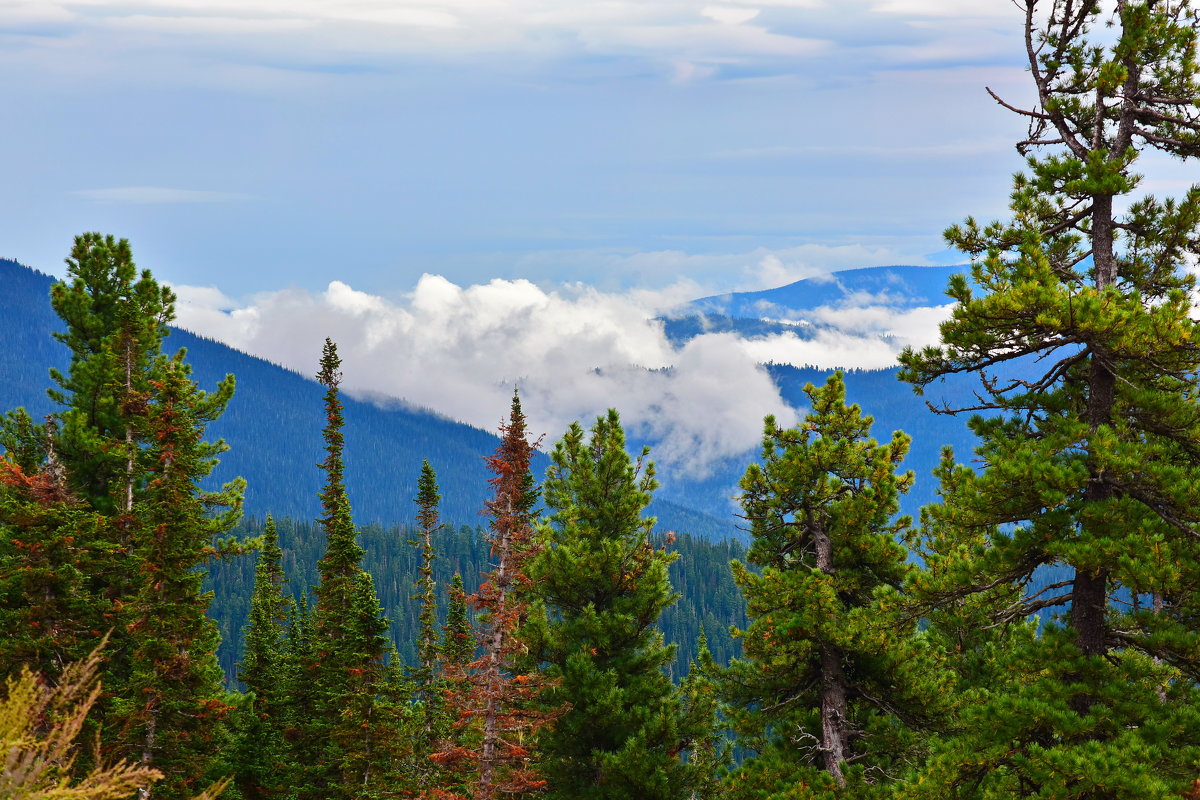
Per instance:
x=156, y=195
x=939, y=150
x=672, y=31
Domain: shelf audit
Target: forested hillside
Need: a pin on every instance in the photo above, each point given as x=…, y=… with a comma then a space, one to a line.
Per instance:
x=272, y=441
x=708, y=598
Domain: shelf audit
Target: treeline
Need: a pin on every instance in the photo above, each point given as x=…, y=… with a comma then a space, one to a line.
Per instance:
x=709, y=600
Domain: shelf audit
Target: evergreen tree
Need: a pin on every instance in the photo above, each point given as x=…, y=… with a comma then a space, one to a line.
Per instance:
x=831, y=669
x=601, y=587
x=173, y=705
x=425, y=674
x=348, y=628
x=709, y=753
x=302, y=731
x=458, y=640
x=117, y=526
x=51, y=613
x=1077, y=321
x=116, y=320
x=260, y=741
x=79, y=472
x=23, y=442
x=494, y=694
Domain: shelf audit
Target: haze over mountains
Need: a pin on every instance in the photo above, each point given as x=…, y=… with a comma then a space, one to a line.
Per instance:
x=273, y=424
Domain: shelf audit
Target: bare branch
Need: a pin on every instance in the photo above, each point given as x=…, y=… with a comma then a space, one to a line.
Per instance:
x=1023, y=112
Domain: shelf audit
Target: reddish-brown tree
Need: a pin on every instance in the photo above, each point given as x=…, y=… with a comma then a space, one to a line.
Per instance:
x=498, y=700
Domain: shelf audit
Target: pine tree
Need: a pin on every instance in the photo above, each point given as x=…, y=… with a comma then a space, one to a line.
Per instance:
x=1077, y=321
x=827, y=683
x=173, y=704
x=51, y=613
x=601, y=587
x=69, y=509
x=116, y=321
x=260, y=740
x=119, y=527
x=348, y=627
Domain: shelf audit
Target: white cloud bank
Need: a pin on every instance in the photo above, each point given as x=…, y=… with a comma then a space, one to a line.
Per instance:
x=574, y=351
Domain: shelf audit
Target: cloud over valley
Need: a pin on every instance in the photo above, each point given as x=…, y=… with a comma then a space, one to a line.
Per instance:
x=572, y=349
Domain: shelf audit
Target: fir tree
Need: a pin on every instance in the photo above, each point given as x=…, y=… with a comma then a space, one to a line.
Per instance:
x=828, y=679
x=302, y=731
x=709, y=753
x=260, y=741
x=601, y=587
x=494, y=694
x=348, y=628
x=425, y=674
x=174, y=703
x=1077, y=321
x=458, y=640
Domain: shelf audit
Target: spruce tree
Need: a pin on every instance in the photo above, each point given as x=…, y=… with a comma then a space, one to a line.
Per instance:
x=425, y=673
x=830, y=675
x=601, y=586
x=173, y=705
x=496, y=694
x=260, y=740
x=1077, y=321
x=348, y=628
x=458, y=640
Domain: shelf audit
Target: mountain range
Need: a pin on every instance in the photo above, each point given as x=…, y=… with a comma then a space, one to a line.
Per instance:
x=273, y=423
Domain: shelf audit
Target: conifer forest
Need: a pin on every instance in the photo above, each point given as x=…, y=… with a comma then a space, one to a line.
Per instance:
x=1033, y=633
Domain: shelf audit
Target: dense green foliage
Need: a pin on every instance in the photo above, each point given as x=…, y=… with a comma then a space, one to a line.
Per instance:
x=599, y=585
x=1091, y=455
x=829, y=630
x=108, y=530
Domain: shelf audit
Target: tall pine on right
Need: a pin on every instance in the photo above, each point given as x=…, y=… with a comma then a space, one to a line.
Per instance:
x=1076, y=319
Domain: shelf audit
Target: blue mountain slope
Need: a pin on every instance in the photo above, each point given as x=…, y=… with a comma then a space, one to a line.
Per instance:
x=902, y=287
x=273, y=427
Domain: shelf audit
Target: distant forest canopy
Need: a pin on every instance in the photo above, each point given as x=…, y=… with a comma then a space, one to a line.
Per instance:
x=709, y=601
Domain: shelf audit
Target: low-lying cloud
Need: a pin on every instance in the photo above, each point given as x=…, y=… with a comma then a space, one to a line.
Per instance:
x=573, y=351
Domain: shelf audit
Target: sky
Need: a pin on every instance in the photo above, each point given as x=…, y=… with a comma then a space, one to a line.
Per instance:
x=472, y=194
x=260, y=144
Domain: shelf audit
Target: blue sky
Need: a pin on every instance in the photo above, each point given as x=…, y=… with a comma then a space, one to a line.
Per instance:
x=472, y=194
x=257, y=144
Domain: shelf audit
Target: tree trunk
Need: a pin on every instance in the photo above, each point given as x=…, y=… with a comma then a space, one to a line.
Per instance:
x=1089, y=594
x=835, y=729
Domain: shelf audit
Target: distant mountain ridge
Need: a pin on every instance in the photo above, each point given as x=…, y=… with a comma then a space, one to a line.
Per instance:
x=899, y=286
x=273, y=427
x=273, y=423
